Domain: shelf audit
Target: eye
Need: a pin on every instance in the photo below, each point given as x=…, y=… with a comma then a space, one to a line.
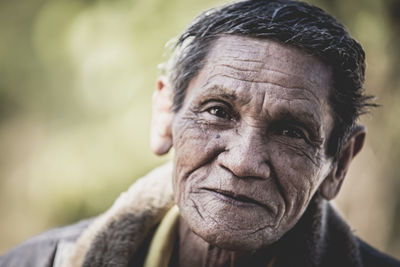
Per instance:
x=292, y=132
x=219, y=112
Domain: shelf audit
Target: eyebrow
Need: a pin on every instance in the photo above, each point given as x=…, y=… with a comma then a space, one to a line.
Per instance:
x=304, y=85
x=224, y=93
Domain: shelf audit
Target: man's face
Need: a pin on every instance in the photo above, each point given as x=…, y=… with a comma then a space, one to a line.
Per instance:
x=250, y=141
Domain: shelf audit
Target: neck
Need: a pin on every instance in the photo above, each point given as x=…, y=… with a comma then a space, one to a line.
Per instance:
x=193, y=251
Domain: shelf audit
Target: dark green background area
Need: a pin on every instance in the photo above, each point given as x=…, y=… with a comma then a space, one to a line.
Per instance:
x=76, y=79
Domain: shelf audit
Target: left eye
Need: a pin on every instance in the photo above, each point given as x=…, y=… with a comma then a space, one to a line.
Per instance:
x=292, y=132
x=219, y=112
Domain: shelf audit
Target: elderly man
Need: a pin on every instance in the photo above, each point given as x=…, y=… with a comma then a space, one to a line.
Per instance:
x=260, y=103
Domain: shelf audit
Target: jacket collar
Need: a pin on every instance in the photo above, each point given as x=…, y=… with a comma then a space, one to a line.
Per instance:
x=117, y=234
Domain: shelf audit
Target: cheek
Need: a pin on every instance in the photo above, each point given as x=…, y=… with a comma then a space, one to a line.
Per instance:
x=298, y=175
x=194, y=147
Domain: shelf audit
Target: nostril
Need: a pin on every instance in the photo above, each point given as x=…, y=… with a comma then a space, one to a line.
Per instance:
x=244, y=166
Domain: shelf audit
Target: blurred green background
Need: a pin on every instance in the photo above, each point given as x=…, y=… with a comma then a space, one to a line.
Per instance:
x=76, y=79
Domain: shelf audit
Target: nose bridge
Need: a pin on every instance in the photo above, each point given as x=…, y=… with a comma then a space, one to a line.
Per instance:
x=251, y=141
x=247, y=154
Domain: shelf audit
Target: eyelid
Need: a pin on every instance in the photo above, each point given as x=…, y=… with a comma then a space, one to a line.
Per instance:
x=219, y=103
x=308, y=136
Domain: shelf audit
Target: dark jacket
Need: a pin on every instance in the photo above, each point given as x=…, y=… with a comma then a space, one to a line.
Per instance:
x=119, y=236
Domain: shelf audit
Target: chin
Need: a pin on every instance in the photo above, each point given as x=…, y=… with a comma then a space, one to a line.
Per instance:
x=230, y=227
x=234, y=240
x=238, y=242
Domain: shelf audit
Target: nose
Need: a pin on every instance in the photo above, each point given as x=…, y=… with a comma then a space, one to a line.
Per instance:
x=246, y=155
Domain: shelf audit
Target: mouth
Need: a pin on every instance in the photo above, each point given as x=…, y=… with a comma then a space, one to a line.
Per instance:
x=233, y=198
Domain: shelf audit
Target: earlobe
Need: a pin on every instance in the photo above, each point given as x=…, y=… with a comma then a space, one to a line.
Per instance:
x=160, y=132
x=330, y=187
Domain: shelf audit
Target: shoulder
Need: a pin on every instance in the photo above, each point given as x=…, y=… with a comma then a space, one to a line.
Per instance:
x=371, y=257
x=41, y=250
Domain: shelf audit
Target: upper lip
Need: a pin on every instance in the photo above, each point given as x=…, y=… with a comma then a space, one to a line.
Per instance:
x=236, y=196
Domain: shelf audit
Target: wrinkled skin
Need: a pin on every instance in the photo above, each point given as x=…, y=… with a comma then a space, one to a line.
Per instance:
x=250, y=142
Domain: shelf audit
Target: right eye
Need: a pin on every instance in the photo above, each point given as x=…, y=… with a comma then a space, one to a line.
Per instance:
x=219, y=112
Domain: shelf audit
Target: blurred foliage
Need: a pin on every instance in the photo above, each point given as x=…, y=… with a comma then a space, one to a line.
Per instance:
x=76, y=79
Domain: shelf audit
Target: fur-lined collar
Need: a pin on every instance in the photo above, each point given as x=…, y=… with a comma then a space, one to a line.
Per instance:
x=118, y=233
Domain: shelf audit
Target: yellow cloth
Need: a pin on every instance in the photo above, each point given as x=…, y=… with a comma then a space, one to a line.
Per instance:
x=162, y=244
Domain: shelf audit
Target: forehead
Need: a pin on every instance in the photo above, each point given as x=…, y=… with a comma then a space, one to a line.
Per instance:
x=249, y=58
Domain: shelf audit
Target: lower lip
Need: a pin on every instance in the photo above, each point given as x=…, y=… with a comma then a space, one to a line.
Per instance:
x=232, y=201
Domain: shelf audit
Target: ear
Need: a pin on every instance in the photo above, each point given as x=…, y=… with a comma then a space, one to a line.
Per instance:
x=160, y=131
x=331, y=185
